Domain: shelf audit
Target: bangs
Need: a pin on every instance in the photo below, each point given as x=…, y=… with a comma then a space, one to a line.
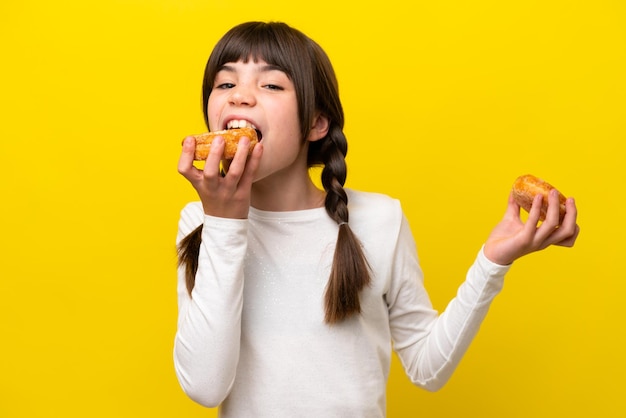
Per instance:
x=258, y=41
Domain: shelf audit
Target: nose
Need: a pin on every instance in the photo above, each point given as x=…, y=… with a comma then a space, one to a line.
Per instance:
x=242, y=95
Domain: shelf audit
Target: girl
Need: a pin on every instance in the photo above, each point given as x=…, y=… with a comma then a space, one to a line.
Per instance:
x=291, y=298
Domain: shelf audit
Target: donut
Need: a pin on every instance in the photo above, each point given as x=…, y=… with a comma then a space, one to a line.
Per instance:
x=231, y=140
x=526, y=187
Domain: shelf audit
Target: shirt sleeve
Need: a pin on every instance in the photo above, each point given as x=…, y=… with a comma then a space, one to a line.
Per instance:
x=207, y=341
x=430, y=345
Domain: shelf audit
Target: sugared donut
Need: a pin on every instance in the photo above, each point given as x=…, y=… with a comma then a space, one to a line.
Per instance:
x=526, y=187
x=231, y=140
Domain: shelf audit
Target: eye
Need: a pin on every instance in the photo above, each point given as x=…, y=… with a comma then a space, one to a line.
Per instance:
x=224, y=86
x=273, y=87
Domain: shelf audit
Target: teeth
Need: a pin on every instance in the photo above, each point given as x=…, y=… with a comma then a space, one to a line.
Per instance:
x=233, y=124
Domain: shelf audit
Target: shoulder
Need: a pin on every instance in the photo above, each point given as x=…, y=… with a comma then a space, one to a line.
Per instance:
x=380, y=225
x=374, y=211
x=373, y=204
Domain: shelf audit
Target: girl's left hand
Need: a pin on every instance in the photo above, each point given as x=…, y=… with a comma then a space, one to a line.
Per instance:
x=512, y=238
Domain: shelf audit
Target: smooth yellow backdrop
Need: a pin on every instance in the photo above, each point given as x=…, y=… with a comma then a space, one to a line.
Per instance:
x=96, y=97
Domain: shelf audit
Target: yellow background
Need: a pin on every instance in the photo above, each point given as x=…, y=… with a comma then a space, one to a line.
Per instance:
x=96, y=97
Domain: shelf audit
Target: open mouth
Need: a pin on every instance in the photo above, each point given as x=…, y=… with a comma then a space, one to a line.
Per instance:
x=242, y=123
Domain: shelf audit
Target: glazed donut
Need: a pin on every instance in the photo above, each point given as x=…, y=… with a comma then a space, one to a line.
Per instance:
x=231, y=139
x=526, y=187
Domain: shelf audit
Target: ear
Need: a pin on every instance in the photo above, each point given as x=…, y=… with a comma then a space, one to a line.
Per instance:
x=320, y=127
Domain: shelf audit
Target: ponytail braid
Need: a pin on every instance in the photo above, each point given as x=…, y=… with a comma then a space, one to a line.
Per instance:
x=188, y=253
x=350, y=270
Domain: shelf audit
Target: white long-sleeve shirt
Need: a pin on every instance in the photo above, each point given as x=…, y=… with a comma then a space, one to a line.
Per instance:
x=252, y=337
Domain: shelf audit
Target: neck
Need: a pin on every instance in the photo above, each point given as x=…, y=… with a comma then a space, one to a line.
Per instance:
x=287, y=194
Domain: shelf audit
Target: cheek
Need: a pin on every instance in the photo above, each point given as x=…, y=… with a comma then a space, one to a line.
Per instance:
x=290, y=120
x=214, y=107
x=213, y=116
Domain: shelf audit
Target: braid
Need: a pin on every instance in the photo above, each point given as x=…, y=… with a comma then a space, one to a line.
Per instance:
x=334, y=175
x=188, y=252
x=350, y=271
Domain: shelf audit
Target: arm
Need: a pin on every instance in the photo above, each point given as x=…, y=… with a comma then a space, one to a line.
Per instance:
x=430, y=346
x=206, y=346
x=206, y=349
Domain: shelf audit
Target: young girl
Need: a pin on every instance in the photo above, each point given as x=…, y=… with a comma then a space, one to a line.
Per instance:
x=291, y=298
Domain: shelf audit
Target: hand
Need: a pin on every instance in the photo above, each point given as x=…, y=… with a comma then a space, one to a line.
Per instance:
x=226, y=196
x=512, y=239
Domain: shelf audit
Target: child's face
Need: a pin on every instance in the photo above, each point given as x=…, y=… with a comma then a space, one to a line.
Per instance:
x=262, y=96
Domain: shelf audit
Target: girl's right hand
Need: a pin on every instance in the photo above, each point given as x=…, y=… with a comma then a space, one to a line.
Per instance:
x=225, y=196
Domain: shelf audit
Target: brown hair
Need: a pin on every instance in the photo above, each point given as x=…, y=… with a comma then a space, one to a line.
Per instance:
x=309, y=68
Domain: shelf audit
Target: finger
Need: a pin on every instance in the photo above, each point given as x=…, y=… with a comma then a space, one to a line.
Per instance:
x=571, y=211
x=569, y=241
x=252, y=166
x=562, y=238
x=238, y=163
x=512, y=208
x=569, y=229
x=566, y=233
x=535, y=234
x=535, y=212
x=552, y=214
x=185, y=162
x=550, y=223
x=212, y=163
